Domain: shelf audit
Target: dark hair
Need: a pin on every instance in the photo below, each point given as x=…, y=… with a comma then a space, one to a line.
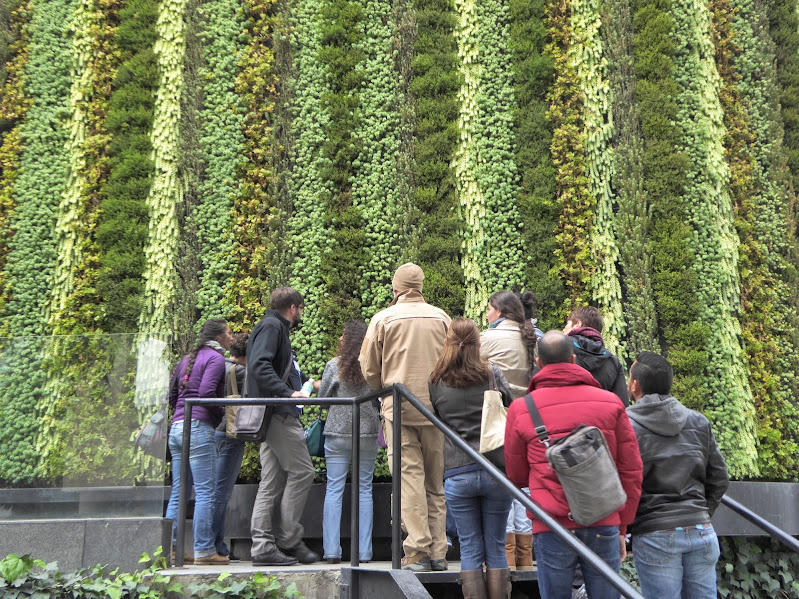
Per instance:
x=238, y=346
x=349, y=348
x=555, y=348
x=460, y=364
x=588, y=317
x=653, y=373
x=211, y=329
x=510, y=306
x=530, y=302
x=284, y=298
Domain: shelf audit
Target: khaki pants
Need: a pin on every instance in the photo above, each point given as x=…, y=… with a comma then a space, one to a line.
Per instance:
x=424, y=513
x=286, y=477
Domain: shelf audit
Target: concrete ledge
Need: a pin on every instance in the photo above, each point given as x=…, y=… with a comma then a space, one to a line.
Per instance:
x=74, y=544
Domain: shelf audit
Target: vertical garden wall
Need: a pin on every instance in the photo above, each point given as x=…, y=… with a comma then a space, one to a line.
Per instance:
x=166, y=161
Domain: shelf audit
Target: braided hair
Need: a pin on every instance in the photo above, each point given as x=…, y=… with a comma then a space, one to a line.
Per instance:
x=510, y=306
x=211, y=329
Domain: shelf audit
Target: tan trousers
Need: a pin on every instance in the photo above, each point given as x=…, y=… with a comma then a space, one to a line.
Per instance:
x=424, y=513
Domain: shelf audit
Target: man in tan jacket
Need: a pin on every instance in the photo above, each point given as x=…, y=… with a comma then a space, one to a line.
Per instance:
x=402, y=345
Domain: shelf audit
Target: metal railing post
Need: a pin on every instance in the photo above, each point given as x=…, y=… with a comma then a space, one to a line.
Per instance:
x=396, y=481
x=183, y=499
x=355, y=486
x=775, y=532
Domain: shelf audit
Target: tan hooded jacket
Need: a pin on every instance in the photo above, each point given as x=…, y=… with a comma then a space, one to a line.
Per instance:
x=403, y=344
x=503, y=346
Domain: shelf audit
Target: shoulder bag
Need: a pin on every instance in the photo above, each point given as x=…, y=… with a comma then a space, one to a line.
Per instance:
x=585, y=469
x=250, y=423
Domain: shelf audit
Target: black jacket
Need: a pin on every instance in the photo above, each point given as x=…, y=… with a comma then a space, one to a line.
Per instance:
x=685, y=475
x=268, y=357
x=603, y=365
x=462, y=410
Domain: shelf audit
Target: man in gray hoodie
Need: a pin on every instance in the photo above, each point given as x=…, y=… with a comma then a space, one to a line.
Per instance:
x=674, y=545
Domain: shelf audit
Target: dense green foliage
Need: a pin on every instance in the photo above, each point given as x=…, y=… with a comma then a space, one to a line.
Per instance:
x=122, y=227
x=433, y=89
x=167, y=161
x=756, y=569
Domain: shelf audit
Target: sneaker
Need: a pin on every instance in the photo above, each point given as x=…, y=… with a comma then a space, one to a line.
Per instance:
x=212, y=560
x=302, y=553
x=438, y=565
x=273, y=557
x=417, y=563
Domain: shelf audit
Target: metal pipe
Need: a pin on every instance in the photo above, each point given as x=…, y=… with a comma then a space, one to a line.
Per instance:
x=596, y=562
x=761, y=522
x=396, y=480
x=180, y=542
x=355, y=486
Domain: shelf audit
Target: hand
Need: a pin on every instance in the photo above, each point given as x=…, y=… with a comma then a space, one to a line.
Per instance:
x=622, y=547
x=299, y=394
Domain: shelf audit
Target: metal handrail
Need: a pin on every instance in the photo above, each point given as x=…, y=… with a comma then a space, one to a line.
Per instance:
x=761, y=522
x=596, y=562
x=355, y=402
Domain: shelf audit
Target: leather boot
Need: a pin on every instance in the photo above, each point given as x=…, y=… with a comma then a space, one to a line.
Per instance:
x=524, y=551
x=510, y=549
x=473, y=585
x=498, y=583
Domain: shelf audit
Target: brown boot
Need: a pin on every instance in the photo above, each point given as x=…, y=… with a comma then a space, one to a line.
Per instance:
x=524, y=551
x=510, y=549
x=498, y=583
x=473, y=585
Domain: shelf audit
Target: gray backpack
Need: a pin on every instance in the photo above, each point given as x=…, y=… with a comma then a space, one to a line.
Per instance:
x=585, y=469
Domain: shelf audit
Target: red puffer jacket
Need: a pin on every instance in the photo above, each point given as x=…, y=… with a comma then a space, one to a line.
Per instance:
x=567, y=396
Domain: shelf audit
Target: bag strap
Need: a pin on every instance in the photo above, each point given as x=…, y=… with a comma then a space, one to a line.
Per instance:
x=285, y=376
x=492, y=380
x=232, y=383
x=540, y=428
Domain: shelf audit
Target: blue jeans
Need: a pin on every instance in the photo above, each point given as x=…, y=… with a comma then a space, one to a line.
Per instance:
x=228, y=464
x=202, y=471
x=517, y=517
x=480, y=507
x=557, y=562
x=677, y=563
x=338, y=455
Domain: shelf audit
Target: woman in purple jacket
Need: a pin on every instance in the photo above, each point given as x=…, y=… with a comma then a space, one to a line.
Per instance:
x=201, y=373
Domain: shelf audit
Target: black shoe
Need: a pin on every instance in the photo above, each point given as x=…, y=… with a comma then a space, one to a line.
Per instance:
x=333, y=560
x=438, y=565
x=302, y=553
x=273, y=557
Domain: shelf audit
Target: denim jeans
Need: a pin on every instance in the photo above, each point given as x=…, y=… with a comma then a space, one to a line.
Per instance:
x=517, y=517
x=228, y=464
x=338, y=455
x=677, y=563
x=480, y=507
x=557, y=562
x=202, y=471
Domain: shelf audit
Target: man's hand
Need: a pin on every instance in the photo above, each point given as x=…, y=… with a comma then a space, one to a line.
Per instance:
x=622, y=547
x=298, y=394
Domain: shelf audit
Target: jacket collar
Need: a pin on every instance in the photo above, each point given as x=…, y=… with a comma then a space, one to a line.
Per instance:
x=587, y=332
x=279, y=316
x=407, y=297
x=562, y=375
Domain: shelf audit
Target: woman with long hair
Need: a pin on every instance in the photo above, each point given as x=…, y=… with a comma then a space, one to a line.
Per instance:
x=509, y=343
x=201, y=373
x=342, y=378
x=478, y=503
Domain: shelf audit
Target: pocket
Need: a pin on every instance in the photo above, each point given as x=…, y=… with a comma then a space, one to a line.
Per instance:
x=711, y=543
x=655, y=548
x=554, y=554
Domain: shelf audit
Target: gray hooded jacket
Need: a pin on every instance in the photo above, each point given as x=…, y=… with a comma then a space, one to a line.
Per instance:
x=685, y=475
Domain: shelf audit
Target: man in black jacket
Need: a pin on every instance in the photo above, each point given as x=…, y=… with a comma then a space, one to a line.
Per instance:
x=674, y=545
x=584, y=328
x=286, y=469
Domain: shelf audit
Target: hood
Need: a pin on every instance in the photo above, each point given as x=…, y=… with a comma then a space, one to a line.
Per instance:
x=408, y=277
x=591, y=351
x=561, y=375
x=661, y=414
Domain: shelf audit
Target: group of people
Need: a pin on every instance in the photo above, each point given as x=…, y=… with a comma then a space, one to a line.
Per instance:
x=667, y=459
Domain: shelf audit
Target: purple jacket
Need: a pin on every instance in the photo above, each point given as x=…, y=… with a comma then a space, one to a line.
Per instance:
x=207, y=379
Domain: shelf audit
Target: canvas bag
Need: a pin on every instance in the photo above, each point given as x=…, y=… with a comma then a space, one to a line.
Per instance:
x=492, y=424
x=251, y=422
x=151, y=438
x=315, y=438
x=232, y=386
x=585, y=469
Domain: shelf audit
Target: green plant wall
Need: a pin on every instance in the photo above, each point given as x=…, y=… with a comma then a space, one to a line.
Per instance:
x=167, y=161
